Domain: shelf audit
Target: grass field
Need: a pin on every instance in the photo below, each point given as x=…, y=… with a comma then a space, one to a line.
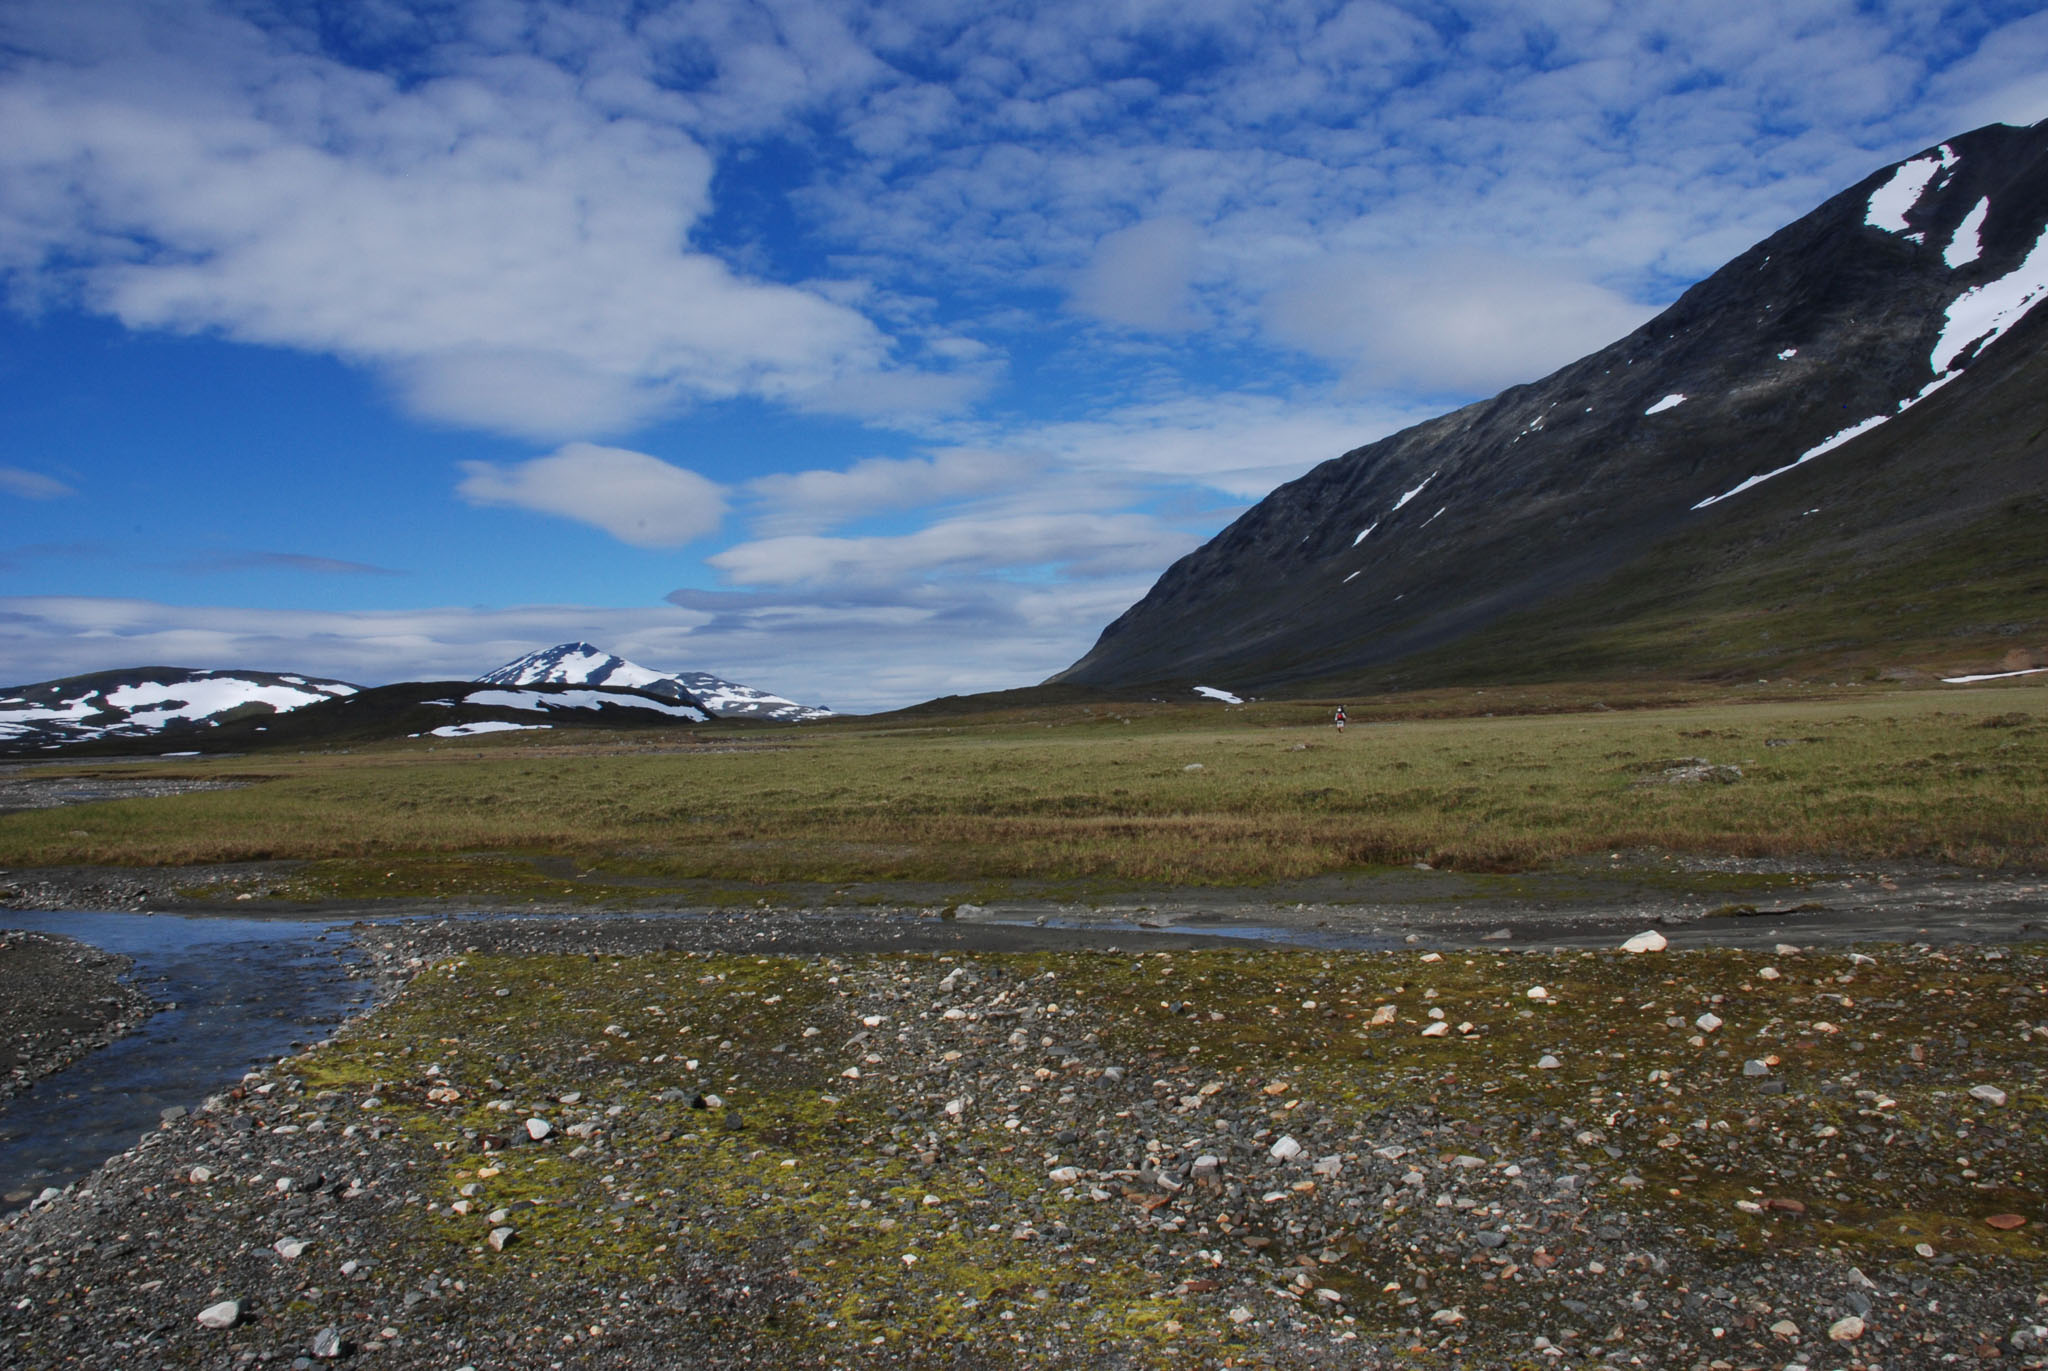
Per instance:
x=1152, y=795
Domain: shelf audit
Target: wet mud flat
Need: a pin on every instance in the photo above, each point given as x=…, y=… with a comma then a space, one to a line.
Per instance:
x=618, y=1142
x=59, y=1000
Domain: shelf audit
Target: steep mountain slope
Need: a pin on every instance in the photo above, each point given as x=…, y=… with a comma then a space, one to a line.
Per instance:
x=139, y=702
x=1870, y=368
x=582, y=664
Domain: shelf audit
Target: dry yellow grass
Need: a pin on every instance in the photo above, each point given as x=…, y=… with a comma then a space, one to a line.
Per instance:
x=1181, y=797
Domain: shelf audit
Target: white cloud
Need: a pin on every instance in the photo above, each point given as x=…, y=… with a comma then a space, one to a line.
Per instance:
x=853, y=653
x=1080, y=544
x=32, y=485
x=636, y=498
x=1139, y=277
x=506, y=241
x=2005, y=81
x=1241, y=444
x=1460, y=323
x=812, y=501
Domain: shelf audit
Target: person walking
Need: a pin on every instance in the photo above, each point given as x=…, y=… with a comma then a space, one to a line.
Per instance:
x=1340, y=718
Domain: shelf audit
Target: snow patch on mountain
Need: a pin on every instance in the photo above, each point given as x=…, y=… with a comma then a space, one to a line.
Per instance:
x=582, y=664
x=1981, y=315
x=1668, y=402
x=577, y=699
x=1891, y=202
x=1968, y=244
x=1974, y=320
x=1212, y=693
x=1409, y=495
x=1993, y=676
x=579, y=664
x=143, y=701
x=729, y=700
x=483, y=726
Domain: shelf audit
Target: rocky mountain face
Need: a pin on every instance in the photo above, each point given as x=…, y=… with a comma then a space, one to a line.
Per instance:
x=140, y=702
x=582, y=664
x=1856, y=402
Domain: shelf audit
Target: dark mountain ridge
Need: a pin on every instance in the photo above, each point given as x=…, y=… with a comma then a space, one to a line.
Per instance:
x=1868, y=334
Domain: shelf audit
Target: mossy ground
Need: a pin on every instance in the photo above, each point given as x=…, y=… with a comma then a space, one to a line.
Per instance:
x=847, y=1218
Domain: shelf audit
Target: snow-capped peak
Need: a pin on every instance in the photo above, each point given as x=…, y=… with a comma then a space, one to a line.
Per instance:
x=583, y=664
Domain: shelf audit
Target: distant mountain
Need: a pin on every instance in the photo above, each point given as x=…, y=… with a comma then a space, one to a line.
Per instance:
x=347, y=714
x=465, y=709
x=582, y=664
x=143, y=702
x=1827, y=456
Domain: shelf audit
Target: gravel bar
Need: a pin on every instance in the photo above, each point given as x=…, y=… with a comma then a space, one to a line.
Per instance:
x=59, y=999
x=579, y=1143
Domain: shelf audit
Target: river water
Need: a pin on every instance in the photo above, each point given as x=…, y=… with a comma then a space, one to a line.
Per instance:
x=240, y=993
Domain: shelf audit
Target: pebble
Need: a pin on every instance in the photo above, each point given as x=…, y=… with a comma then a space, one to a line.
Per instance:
x=537, y=1129
x=1708, y=1022
x=1415, y=1198
x=1648, y=941
x=1846, y=1329
x=222, y=1315
x=1989, y=1094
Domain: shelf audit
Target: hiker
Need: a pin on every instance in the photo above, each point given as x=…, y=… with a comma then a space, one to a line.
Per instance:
x=1340, y=718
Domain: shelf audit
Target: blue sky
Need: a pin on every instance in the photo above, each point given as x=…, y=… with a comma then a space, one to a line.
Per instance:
x=864, y=353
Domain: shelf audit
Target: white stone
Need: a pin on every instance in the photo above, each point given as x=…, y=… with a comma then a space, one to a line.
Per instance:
x=1649, y=941
x=1064, y=1175
x=1548, y=1063
x=501, y=1238
x=537, y=1129
x=1707, y=1023
x=289, y=1248
x=222, y=1315
x=1845, y=1330
x=1286, y=1149
x=1436, y=1030
x=1537, y=992
x=1990, y=1094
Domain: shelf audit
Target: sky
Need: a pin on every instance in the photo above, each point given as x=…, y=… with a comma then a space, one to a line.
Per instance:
x=861, y=352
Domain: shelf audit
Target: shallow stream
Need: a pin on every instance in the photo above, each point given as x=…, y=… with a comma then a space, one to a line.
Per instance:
x=232, y=994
